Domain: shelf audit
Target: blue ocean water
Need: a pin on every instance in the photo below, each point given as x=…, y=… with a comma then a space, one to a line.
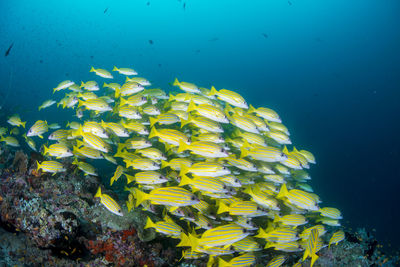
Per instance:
x=331, y=69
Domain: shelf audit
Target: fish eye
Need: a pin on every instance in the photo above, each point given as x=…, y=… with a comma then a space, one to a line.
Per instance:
x=224, y=187
x=193, y=198
x=244, y=231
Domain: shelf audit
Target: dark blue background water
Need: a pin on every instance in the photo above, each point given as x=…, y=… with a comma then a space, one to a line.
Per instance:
x=330, y=68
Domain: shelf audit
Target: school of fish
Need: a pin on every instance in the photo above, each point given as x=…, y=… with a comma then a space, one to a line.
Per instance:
x=219, y=172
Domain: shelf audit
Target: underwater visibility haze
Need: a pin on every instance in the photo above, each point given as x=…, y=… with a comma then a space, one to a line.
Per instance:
x=191, y=136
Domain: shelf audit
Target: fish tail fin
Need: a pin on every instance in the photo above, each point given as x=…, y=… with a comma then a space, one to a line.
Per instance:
x=164, y=164
x=38, y=166
x=282, y=192
x=185, y=180
x=183, y=171
x=45, y=149
x=80, y=104
x=98, y=193
x=194, y=241
x=251, y=109
x=176, y=82
x=182, y=147
x=149, y=223
x=153, y=132
x=117, y=92
x=243, y=152
x=171, y=98
x=130, y=178
x=276, y=219
x=119, y=150
x=184, y=122
x=75, y=162
x=23, y=124
x=222, y=207
x=213, y=91
x=285, y=150
x=82, y=84
x=191, y=107
x=140, y=197
x=314, y=257
x=122, y=102
x=115, y=68
x=222, y=263
x=105, y=85
x=153, y=121
x=184, y=241
x=92, y=69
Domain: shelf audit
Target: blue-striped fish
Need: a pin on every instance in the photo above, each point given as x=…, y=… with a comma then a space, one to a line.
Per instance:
x=211, y=169
x=219, y=236
x=208, y=111
x=147, y=177
x=278, y=235
x=229, y=97
x=204, y=148
x=187, y=87
x=170, y=136
x=247, y=244
x=102, y=73
x=63, y=85
x=109, y=203
x=170, y=196
x=244, y=260
x=332, y=213
x=311, y=246
x=266, y=113
x=276, y=261
x=336, y=237
x=125, y=71
x=38, y=129
x=167, y=227
x=298, y=198
x=208, y=184
x=50, y=166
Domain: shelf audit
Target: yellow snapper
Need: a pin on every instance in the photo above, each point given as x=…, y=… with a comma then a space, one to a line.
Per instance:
x=38, y=129
x=46, y=104
x=102, y=73
x=187, y=87
x=229, y=97
x=63, y=85
x=336, y=237
x=170, y=196
x=147, y=177
x=109, y=203
x=15, y=120
x=167, y=227
x=90, y=86
x=125, y=71
x=58, y=150
x=50, y=166
x=10, y=141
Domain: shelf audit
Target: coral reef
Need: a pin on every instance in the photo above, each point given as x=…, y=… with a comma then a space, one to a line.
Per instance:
x=54, y=221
